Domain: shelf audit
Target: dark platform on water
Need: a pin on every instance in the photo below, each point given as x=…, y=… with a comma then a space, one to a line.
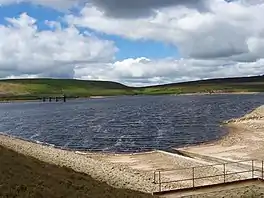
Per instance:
x=57, y=98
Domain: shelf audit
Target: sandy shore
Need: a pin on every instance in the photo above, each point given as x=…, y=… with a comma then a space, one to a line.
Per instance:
x=245, y=140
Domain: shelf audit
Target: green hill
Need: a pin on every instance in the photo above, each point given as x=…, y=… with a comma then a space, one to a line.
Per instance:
x=36, y=88
x=220, y=85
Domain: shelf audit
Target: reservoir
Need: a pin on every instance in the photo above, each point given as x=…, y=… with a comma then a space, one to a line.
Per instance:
x=127, y=123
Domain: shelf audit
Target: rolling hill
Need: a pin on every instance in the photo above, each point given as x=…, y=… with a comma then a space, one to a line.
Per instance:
x=15, y=89
x=220, y=85
x=37, y=88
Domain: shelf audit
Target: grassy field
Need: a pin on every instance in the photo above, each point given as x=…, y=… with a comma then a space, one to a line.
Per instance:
x=35, y=88
x=26, y=89
x=223, y=85
x=23, y=176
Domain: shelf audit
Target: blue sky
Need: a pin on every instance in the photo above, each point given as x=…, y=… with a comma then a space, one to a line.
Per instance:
x=137, y=43
x=148, y=49
x=127, y=48
x=39, y=12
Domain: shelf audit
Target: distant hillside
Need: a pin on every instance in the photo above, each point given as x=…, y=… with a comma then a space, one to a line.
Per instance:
x=220, y=85
x=37, y=88
x=34, y=88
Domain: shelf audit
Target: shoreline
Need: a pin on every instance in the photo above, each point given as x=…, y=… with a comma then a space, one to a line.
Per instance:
x=219, y=93
x=237, y=144
x=79, y=151
x=111, y=96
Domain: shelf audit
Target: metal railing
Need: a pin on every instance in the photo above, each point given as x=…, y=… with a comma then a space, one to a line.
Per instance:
x=223, y=173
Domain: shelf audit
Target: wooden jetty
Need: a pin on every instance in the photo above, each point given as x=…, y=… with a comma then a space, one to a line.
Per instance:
x=56, y=98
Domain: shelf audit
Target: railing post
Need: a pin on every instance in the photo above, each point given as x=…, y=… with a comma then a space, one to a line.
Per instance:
x=159, y=182
x=193, y=177
x=224, y=172
x=252, y=169
x=262, y=169
x=154, y=177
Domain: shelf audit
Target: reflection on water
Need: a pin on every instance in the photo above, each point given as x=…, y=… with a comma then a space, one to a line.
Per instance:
x=125, y=124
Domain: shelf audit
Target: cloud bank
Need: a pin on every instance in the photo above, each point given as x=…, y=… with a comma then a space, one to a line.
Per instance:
x=215, y=38
x=52, y=53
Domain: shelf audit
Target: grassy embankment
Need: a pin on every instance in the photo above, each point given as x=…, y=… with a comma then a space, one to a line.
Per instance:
x=23, y=176
x=27, y=89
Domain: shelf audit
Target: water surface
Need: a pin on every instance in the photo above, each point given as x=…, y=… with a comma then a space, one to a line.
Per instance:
x=125, y=124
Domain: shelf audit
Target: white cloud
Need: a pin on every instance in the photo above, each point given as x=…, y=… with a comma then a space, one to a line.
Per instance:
x=24, y=50
x=226, y=41
x=230, y=30
x=143, y=71
x=21, y=76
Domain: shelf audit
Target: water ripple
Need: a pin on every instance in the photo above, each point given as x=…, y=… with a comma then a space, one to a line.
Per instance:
x=125, y=124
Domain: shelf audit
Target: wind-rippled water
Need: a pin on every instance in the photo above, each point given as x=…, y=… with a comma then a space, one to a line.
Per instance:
x=125, y=124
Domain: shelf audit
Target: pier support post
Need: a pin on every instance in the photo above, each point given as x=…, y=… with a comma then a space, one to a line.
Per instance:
x=252, y=169
x=159, y=182
x=262, y=169
x=193, y=177
x=224, y=173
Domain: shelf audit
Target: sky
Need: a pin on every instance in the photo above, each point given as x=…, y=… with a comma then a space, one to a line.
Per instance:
x=137, y=43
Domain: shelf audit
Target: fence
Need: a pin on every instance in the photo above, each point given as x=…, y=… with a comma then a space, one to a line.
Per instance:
x=208, y=175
